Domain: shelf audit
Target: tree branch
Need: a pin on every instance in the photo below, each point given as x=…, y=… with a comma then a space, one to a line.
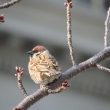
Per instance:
x=8, y=4
x=71, y=72
x=100, y=67
x=107, y=28
x=68, y=5
x=19, y=74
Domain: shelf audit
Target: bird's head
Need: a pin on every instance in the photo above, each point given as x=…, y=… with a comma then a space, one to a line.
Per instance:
x=36, y=51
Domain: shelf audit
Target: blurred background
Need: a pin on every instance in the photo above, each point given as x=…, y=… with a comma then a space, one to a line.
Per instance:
x=33, y=22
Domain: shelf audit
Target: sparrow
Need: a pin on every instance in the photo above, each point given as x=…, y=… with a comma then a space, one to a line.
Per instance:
x=43, y=67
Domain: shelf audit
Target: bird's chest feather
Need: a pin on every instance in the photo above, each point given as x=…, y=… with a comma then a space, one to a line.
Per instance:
x=41, y=63
x=43, y=68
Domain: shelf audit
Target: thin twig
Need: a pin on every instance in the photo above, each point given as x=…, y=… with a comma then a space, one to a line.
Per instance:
x=107, y=28
x=71, y=72
x=19, y=74
x=100, y=67
x=8, y=4
x=68, y=5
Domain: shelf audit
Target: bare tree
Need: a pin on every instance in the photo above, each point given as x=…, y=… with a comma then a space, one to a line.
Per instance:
x=71, y=72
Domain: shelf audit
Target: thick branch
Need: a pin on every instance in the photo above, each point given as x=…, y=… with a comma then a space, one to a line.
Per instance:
x=71, y=72
x=8, y=4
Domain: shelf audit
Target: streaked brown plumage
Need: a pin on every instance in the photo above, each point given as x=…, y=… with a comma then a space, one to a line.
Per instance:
x=43, y=68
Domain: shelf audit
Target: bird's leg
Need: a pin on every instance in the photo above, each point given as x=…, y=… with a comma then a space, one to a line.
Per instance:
x=64, y=85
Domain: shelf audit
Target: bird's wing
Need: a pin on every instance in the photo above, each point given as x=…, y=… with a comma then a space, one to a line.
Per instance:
x=50, y=66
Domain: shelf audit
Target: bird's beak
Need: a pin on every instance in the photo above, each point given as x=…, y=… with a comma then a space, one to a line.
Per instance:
x=30, y=53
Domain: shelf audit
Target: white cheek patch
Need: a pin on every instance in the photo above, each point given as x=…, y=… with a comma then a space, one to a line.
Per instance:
x=32, y=56
x=35, y=54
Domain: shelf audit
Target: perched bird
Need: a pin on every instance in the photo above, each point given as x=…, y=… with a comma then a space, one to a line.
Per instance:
x=43, y=67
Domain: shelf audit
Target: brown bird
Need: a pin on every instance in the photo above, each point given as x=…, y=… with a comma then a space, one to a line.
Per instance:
x=43, y=67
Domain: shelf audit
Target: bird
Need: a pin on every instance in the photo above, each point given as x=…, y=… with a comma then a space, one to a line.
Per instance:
x=43, y=67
